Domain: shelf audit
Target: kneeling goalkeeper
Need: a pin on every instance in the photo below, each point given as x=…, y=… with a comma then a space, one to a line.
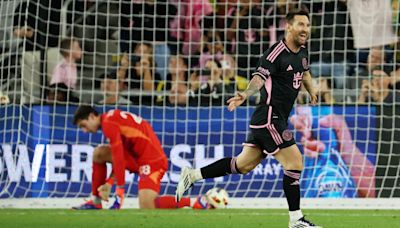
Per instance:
x=134, y=147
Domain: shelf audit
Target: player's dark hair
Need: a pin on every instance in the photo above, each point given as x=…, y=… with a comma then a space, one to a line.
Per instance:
x=83, y=112
x=301, y=12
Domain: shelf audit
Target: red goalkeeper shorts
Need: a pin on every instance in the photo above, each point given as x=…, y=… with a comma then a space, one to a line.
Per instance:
x=150, y=175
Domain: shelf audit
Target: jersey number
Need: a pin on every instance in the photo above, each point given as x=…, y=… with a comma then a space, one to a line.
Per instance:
x=144, y=170
x=136, y=118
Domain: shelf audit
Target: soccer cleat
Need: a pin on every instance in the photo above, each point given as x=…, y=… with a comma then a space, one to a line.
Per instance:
x=116, y=205
x=301, y=223
x=89, y=205
x=201, y=203
x=185, y=182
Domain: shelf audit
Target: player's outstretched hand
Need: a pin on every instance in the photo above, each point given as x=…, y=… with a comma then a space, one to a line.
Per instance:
x=104, y=191
x=236, y=101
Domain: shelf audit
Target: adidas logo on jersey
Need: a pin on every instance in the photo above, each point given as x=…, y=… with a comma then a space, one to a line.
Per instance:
x=289, y=68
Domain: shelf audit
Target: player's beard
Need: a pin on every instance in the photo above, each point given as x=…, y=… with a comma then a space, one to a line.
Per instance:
x=298, y=41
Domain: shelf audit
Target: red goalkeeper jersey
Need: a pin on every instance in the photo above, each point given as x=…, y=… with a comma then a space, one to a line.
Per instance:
x=130, y=135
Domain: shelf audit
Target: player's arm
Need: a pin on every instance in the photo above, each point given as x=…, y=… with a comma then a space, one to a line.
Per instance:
x=253, y=87
x=307, y=82
x=112, y=132
x=105, y=189
x=264, y=70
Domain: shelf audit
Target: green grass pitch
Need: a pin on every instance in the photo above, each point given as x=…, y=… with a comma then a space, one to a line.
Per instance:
x=227, y=218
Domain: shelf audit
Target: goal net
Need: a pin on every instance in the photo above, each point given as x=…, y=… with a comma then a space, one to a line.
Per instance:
x=175, y=63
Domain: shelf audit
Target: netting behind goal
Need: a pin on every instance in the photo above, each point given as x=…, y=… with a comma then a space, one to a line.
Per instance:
x=159, y=59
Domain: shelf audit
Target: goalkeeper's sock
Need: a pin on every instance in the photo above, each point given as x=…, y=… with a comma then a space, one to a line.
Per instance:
x=291, y=187
x=98, y=177
x=220, y=168
x=168, y=202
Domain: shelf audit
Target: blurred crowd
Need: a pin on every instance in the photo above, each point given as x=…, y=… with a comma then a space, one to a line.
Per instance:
x=199, y=52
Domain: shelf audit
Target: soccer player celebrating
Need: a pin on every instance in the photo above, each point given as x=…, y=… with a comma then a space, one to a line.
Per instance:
x=134, y=147
x=278, y=78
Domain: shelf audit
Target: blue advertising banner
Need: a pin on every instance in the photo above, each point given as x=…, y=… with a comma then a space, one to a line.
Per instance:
x=44, y=155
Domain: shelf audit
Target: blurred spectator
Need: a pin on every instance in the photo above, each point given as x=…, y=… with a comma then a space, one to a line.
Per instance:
x=229, y=73
x=377, y=61
x=324, y=86
x=147, y=21
x=186, y=27
x=59, y=92
x=141, y=77
x=66, y=71
x=112, y=87
x=194, y=86
x=380, y=89
x=37, y=22
x=78, y=9
x=4, y=98
x=396, y=24
x=247, y=30
x=373, y=28
x=331, y=43
x=25, y=24
x=121, y=72
x=213, y=48
x=177, y=84
x=207, y=87
x=224, y=11
x=324, y=90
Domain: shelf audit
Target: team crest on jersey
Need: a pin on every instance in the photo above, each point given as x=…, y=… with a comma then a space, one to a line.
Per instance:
x=287, y=135
x=297, y=77
x=305, y=63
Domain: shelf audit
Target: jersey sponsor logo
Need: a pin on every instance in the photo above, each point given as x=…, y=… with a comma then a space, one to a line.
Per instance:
x=263, y=71
x=289, y=68
x=287, y=135
x=297, y=77
x=305, y=63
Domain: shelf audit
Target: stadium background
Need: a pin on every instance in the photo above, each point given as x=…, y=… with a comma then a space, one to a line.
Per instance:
x=44, y=156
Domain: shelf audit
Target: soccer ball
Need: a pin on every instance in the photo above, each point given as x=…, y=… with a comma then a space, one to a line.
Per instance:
x=217, y=198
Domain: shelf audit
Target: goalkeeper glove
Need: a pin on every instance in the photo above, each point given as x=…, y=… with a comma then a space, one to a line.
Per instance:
x=105, y=189
x=119, y=198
